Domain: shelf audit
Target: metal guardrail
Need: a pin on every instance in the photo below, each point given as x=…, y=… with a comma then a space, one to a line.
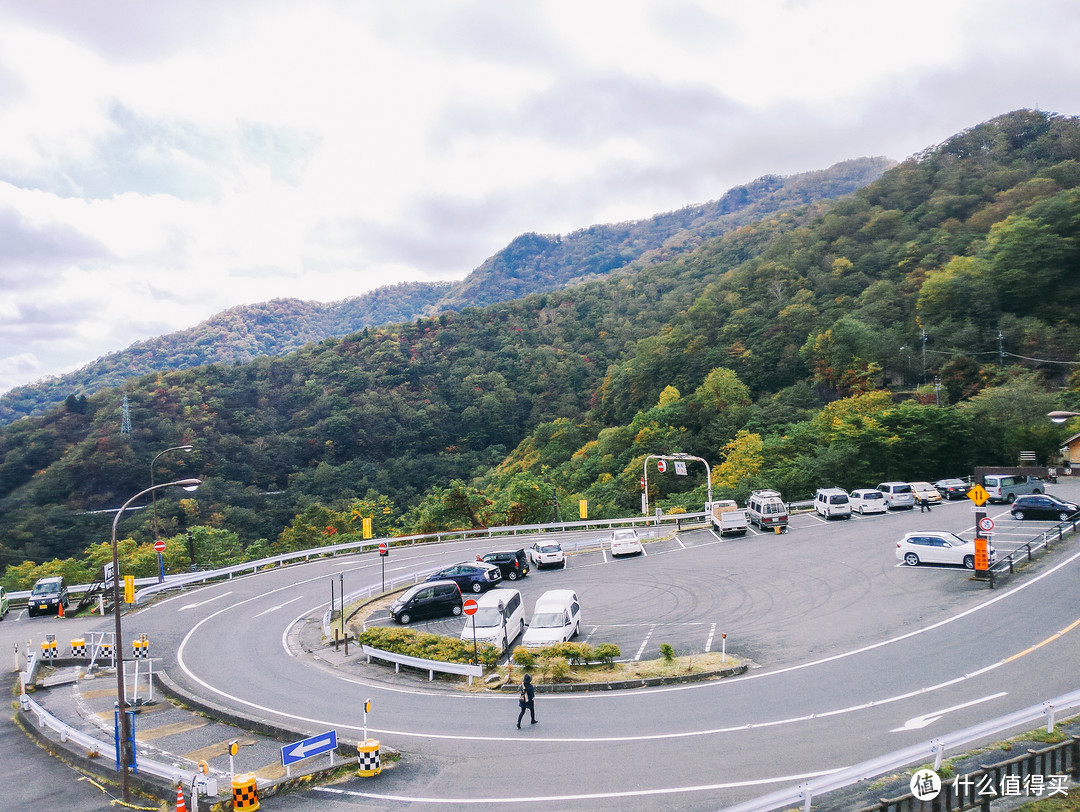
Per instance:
x=431, y=666
x=206, y=784
x=1007, y=565
x=989, y=783
x=803, y=794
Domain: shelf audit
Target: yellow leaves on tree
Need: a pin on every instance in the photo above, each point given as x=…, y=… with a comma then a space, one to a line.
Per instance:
x=743, y=460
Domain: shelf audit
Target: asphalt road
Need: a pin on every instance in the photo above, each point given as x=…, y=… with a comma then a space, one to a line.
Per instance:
x=852, y=651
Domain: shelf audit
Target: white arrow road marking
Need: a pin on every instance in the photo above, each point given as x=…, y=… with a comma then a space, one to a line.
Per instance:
x=928, y=718
x=194, y=605
x=279, y=606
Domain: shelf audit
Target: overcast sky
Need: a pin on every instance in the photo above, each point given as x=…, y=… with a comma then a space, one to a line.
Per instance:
x=160, y=162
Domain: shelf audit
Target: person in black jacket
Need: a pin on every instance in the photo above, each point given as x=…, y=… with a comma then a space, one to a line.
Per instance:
x=527, y=700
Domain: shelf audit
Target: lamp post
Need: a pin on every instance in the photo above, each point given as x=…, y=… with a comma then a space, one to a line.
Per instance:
x=1061, y=417
x=118, y=647
x=153, y=497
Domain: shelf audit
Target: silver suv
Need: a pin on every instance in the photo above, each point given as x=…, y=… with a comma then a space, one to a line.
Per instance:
x=897, y=494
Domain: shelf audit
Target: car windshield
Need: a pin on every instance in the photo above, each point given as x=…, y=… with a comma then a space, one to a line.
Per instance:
x=623, y=535
x=547, y=620
x=871, y=495
x=46, y=589
x=487, y=616
x=550, y=548
x=954, y=541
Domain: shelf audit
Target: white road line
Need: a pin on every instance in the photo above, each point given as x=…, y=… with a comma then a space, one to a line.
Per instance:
x=708, y=643
x=918, y=722
x=588, y=637
x=203, y=603
x=679, y=542
x=279, y=606
x=644, y=643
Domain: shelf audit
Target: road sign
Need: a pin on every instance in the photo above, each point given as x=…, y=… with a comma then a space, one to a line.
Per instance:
x=316, y=745
x=978, y=495
x=986, y=524
x=159, y=546
x=680, y=467
x=382, y=548
x=661, y=465
x=982, y=554
x=470, y=606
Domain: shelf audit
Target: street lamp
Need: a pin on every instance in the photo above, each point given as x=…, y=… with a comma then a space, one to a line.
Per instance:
x=153, y=496
x=1061, y=417
x=118, y=646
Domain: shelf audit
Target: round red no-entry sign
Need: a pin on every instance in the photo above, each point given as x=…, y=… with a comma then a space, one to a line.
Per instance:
x=382, y=548
x=159, y=546
x=470, y=606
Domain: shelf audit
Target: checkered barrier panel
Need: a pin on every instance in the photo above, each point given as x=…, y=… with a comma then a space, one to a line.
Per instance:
x=78, y=647
x=367, y=758
x=48, y=650
x=244, y=792
x=140, y=649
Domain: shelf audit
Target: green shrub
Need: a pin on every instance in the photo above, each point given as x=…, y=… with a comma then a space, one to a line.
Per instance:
x=558, y=668
x=667, y=652
x=427, y=646
x=523, y=657
x=607, y=652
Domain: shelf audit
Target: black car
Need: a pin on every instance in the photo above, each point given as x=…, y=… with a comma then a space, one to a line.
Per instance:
x=1042, y=506
x=47, y=596
x=513, y=564
x=473, y=576
x=427, y=600
x=952, y=488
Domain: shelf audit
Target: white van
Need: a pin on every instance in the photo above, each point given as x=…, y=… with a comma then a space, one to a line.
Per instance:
x=556, y=618
x=868, y=500
x=897, y=494
x=1006, y=487
x=766, y=508
x=498, y=620
x=832, y=503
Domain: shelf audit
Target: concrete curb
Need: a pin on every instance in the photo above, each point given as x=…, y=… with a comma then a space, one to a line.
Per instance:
x=626, y=684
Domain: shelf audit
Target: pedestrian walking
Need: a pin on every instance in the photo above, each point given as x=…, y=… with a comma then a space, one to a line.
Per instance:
x=924, y=504
x=527, y=700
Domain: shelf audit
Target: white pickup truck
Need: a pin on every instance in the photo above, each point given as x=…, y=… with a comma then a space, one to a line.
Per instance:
x=729, y=518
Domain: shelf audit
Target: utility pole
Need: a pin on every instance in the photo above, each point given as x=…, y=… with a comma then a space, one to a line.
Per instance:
x=1001, y=349
x=923, y=334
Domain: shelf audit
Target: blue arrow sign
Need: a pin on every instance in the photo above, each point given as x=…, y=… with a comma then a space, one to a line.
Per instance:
x=316, y=745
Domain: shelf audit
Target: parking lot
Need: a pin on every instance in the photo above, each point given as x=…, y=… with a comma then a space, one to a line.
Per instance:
x=691, y=588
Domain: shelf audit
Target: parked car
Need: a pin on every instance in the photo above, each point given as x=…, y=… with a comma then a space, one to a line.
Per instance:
x=1042, y=506
x=952, y=488
x=897, y=494
x=624, y=541
x=547, y=555
x=556, y=618
x=766, y=508
x=832, y=503
x=924, y=490
x=47, y=596
x=498, y=620
x=868, y=500
x=429, y=599
x=3, y=603
x=1006, y=487
x=937, y=547
x=513, y=564
x=471, y=576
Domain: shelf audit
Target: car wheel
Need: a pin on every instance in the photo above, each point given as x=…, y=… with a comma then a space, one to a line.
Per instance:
x=969, y=562
x=1063, y=516
x=456, y=611
x=477, y=587
x=1036, y=491
x=1010, y=498
x=1018, y=514
x=404, y=619
x=512, y=575
x=911, y=559
x=521, y=627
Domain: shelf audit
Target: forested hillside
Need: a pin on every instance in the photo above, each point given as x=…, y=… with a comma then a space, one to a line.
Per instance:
x=532, y=263
x=789, y=352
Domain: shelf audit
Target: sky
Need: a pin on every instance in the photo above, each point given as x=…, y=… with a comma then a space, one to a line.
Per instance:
x=162, y=162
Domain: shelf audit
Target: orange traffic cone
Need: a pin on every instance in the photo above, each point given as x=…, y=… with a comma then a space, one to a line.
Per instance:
x=180, y=805
x=59, y=610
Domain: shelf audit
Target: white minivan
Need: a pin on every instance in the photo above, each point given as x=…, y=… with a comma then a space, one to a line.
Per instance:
x=498, y=620
x=868, y=500
x=832, y=503
x=556, y=618
x=897, y=494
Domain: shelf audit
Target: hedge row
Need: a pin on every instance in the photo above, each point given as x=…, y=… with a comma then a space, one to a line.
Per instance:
x=574, y=653
x=428, y=646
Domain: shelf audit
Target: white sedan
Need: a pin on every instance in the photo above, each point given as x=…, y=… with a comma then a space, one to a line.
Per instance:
x=547, y=555
x=937, y=547
x=868, y=500
x=625, y=542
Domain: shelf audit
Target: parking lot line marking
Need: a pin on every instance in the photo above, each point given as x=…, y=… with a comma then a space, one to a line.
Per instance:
x=588, y=637
x=708, y=643
x=677, y=540
x=815, y=516
x=644, y=643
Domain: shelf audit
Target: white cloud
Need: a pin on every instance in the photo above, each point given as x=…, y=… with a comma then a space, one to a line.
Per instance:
x=160, y=163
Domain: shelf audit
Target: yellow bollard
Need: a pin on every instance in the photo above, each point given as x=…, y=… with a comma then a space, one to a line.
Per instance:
x=78, y=647
x=244, y=792
x=367, y=758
